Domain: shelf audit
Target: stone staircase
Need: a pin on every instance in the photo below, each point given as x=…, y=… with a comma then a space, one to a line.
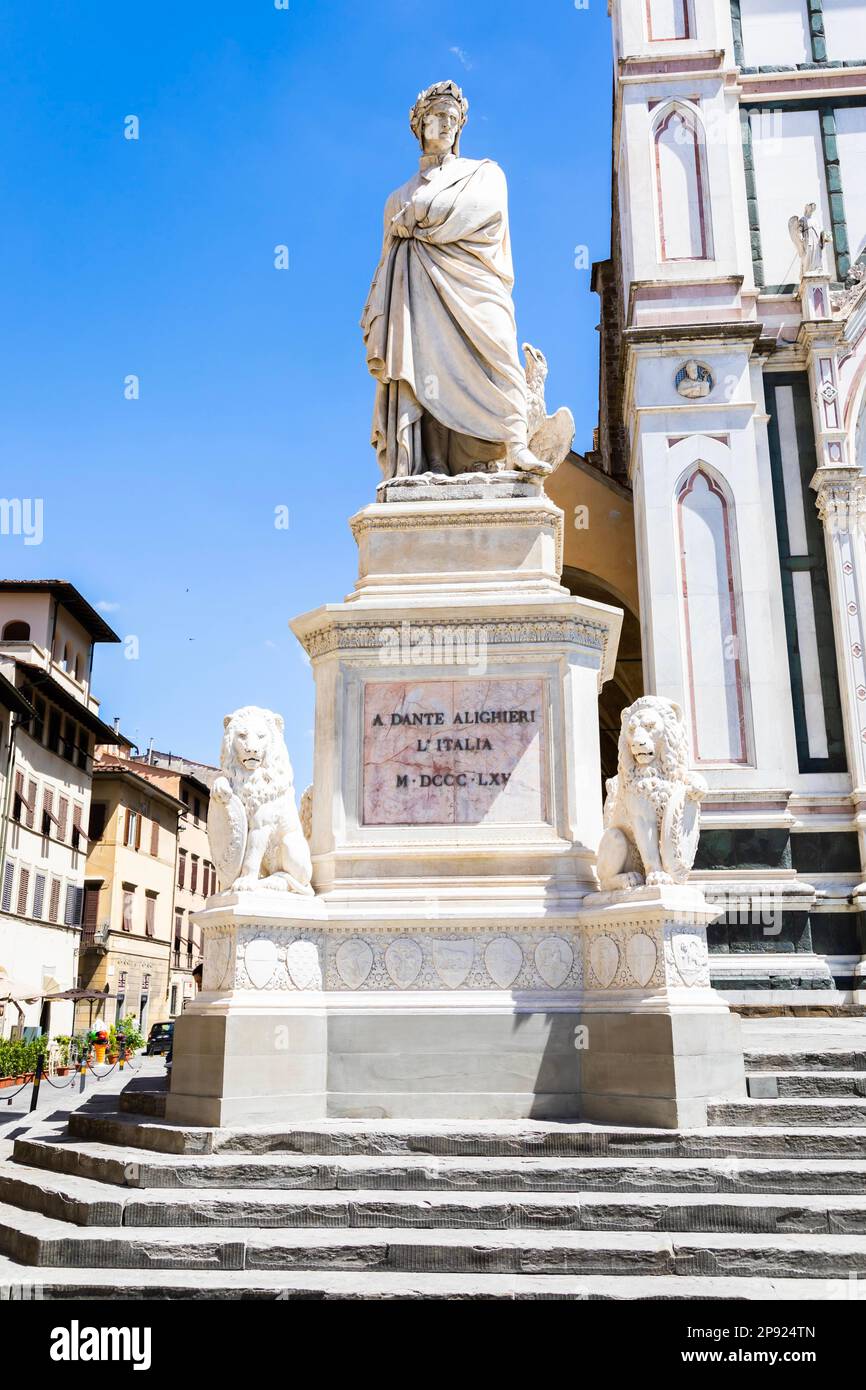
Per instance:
x=767, y=1203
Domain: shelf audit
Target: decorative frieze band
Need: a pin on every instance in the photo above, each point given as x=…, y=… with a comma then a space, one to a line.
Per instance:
x=369, y=636
x=626, y=955
x=251, y=957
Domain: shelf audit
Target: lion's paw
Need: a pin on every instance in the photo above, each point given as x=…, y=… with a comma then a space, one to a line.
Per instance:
x=658, y=877
x=626, y=881
x=247, y=883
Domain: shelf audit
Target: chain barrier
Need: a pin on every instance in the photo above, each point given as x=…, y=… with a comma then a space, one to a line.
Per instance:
x=9, y=1097
x=61, y=1085
x=104, y=1074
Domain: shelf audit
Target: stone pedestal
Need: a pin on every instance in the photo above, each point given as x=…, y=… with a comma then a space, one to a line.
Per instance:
x=659, y=1042
x=252, y=1047
x=300, y=1018
x=440, y=972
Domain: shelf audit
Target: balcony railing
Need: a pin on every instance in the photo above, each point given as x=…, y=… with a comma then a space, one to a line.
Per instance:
x=184, y=960
x=95, y=938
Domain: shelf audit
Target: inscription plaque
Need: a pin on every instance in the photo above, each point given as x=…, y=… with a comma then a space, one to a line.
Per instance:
x=458, y=752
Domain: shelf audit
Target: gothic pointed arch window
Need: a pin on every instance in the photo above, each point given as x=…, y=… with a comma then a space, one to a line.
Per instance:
x=712, y=624
x=682, y=199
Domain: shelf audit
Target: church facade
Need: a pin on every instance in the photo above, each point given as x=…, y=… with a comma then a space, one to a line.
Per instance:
x=731, y=448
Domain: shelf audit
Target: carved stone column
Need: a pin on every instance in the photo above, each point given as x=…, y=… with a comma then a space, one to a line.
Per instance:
x=841, y=502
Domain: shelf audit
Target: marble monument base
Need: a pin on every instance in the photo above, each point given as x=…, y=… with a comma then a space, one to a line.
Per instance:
x=660, y=1043
x=607, y=1016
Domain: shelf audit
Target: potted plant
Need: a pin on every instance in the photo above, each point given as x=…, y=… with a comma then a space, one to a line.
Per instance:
x=18, y=1059
x=62, y=1043
x=132, y=1038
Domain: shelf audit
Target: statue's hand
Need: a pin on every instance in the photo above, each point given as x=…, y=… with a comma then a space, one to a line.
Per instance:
x=403, y=222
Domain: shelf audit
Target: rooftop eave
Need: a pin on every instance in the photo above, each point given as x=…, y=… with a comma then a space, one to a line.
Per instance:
x=43, y=681
x=12, y=699
x=103, y=771
x=69, y=598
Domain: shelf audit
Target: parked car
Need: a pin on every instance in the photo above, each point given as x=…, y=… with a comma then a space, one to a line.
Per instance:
x=159, y=1039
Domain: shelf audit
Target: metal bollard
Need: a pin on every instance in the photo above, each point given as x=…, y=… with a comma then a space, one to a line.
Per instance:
x=37, y=1077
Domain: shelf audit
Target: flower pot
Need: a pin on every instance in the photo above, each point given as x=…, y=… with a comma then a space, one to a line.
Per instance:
x=99, y=1052
x=112, y=1056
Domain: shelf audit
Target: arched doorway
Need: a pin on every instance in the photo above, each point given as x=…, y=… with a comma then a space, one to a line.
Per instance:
x=627, y=681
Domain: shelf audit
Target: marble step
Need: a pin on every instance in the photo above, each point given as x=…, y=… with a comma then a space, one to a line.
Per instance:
x=769, y=1137
x=20, y=1282
x=136, y=1168
x=134, y=1102
x=83, y=1202
x=790, y=1111
x=803, y=1084
x=33, y=1239
x=831, y=1060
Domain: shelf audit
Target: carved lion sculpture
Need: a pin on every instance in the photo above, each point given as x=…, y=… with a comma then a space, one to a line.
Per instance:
x=652, y=808
x=253, y=824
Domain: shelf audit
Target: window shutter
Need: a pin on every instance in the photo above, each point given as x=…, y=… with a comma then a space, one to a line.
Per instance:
x=77, y=813
x=97, y=820
x=47, y=810
x=91, y=907
x=69, y=909
x=54, y=900
x=154, y=837
x=31, y=804
x=181, y=868
x=149, y=910
x=23, y=885
x=38, y=895
x=138, y=821
x=193, y=875
x=8, y=876
x=79, y=906
x=63, y=812
x=19, y=796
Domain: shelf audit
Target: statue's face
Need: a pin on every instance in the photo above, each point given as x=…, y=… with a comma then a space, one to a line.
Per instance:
x=440, y=127
x=644, y=731
x=251, y=743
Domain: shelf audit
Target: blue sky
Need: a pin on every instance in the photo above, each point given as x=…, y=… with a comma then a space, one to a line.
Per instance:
x=155, y=257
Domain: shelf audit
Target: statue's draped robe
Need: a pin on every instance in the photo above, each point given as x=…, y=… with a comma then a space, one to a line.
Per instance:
x=439, y=320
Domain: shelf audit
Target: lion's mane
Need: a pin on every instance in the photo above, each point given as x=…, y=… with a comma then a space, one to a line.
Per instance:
x=274, y=778
x=671, y=763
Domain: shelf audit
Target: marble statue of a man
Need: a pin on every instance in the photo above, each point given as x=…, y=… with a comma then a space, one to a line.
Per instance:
x=438, y=324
